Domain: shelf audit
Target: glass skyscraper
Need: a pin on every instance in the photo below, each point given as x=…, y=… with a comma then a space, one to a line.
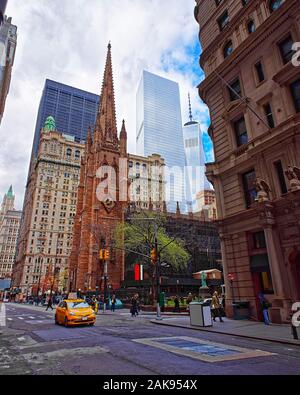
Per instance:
x=159, y=130
x=74, y=110
x=196, y=180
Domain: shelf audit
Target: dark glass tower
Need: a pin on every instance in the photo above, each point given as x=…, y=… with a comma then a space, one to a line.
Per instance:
x=74, y=110
x=3, y=4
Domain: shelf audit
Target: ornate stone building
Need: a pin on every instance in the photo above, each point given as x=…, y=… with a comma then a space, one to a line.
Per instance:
x=97, y=216
x=252, y=89
x=46, y=231
x=147, y=181
x=8, y=45
x=9, y=227
x=207, y=205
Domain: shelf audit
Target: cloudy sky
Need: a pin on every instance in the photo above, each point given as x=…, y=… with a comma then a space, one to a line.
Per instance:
x=66, y=40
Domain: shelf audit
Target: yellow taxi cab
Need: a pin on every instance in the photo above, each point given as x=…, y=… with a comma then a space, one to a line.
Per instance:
x=74, y=312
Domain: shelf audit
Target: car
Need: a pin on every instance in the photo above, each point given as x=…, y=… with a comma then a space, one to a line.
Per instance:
x=74, y=312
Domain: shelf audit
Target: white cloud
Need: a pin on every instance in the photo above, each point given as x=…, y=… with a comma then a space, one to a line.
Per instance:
x=66, y=40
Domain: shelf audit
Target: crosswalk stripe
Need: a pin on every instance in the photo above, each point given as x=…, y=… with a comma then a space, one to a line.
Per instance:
x=9, y=319
x=21, y=318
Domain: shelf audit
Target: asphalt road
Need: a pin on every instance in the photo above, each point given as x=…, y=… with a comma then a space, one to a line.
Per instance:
x=31, y=344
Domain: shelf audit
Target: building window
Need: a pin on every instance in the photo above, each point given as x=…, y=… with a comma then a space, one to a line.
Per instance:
x=249, y=181
x=275, y=4
x=228, y=49
x=269, y=115
x=251, y=27
x=69, y=152
x=260, y=72
x=235, y=90
x=130, y=165
x=266, y=282
x=240, y=132
x=223, y=21
x=295, y=89
x=286, y=50
x=259, y=240
x=77, y=154
x=280, y=176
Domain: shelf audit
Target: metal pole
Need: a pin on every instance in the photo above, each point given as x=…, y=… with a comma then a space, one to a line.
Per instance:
x=158, y=312
x=105, y=285
x=233, y=302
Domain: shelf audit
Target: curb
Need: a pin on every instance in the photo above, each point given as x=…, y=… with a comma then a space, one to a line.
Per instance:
x=281, y=341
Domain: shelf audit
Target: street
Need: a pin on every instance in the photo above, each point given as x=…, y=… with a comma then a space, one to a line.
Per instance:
x=31, y=344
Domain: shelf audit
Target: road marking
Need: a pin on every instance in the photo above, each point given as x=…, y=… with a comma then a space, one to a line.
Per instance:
x=10, y=319
x=33, y=318
x=203, y=350
x=21, y=318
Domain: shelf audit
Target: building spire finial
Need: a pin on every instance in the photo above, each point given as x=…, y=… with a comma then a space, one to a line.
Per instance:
x=106, y=125
x=190, y=109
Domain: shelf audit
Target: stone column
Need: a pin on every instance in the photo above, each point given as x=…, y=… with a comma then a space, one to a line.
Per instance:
x=274, y=261
x=228, y=304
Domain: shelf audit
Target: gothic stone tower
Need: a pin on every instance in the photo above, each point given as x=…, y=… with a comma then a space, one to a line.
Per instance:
x=97, y=217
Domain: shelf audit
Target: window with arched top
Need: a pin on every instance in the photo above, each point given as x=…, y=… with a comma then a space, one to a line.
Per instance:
x=77, y=154
x=69, y=152
x=275, y=4
x=251, y=26
x=137, y=165
x=228, y=49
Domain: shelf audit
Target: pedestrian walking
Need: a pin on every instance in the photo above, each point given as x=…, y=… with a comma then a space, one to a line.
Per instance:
x=176, y=304
x=134, y=306
x=264, y=304
x=113, y=303
x=216, y=307
x=49, y=304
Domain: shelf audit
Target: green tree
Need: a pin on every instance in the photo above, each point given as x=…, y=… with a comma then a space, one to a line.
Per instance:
x=137, y=236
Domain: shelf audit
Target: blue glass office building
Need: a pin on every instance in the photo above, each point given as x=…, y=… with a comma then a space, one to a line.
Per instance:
x=74, y=110
x=159, y=129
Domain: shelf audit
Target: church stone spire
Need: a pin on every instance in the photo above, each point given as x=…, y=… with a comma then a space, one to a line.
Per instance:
x=106, y=125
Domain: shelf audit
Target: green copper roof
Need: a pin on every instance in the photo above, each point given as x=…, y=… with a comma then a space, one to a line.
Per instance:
x=10, y=193
x=50, y=124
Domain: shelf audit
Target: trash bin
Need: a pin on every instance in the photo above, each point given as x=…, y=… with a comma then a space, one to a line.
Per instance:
x=241, y=310
x=200, y=315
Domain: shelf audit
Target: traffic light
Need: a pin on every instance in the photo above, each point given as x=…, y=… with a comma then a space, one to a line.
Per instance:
x=154, y=256
x=101, y=254
x=106, y=254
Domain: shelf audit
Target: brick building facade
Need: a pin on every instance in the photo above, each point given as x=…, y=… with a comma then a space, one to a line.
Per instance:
x=97, y=217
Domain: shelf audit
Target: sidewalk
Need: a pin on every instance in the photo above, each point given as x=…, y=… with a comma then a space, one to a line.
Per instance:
x=240, y=328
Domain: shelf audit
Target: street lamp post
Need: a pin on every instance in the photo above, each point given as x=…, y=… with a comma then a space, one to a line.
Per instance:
x=231, y=279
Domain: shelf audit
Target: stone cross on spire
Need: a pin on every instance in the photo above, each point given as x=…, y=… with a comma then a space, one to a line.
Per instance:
x=106, y=125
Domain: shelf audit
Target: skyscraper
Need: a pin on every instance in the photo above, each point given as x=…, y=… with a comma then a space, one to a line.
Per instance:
x=3, y=4
x=8, y=44
x=9, y=226
x=195, y=160
x=159, y=130
x=46, y=230
x=74, y=111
